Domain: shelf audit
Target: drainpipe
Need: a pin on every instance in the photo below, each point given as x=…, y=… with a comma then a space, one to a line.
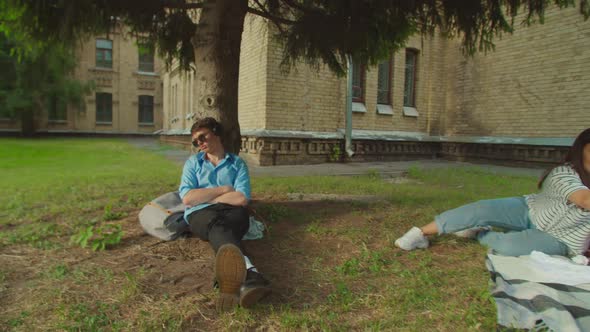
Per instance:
x=348, y=129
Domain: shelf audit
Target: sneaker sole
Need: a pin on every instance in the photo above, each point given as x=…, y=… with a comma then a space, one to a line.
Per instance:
x=419, y=246
x=230, y=272
x=251, y=296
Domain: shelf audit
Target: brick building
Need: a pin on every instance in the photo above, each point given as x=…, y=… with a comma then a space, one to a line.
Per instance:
x=524, y=102
x=127, y=98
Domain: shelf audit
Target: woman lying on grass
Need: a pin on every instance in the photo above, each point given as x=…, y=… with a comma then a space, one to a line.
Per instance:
x=555, y=221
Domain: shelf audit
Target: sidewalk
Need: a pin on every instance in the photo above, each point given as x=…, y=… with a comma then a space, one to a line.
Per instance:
x=385, y=168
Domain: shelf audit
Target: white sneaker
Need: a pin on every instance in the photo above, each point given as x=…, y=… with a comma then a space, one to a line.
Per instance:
x=412, y=239
x=471, y=233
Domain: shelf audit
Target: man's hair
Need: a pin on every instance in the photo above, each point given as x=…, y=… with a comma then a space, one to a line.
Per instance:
x=208, y=123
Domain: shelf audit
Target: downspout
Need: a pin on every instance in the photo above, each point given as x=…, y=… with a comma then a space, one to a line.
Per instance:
x=348, y=122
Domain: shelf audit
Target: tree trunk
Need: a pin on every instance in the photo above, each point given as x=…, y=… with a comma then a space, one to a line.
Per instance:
x=217, y=59
x=27, y=122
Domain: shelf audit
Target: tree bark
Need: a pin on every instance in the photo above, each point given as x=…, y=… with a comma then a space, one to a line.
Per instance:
x=27, y=122
x=217, y=60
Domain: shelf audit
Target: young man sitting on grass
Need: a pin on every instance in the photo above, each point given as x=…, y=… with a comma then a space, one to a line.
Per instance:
x=215, y=185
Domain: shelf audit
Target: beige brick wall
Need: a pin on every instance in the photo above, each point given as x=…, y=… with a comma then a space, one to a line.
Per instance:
x=303, y=99
x=123, y=81
x=253, y=82
x=179, y=98
x=535, y=84
x=309, y=100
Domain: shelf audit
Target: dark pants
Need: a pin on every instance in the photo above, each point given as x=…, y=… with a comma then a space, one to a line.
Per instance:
x=220, y=224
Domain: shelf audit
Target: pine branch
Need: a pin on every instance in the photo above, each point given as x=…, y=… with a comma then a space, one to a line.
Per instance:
x=276, y=20
x=297, y=6
x=182, y=5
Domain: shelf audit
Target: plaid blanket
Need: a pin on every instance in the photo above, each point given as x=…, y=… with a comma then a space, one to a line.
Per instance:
x=530, y=295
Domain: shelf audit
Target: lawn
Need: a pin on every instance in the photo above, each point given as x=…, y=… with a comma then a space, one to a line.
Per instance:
x=332, y=262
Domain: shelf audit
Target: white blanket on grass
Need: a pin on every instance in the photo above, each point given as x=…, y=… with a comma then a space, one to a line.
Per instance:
x=540, y=292
x=540, y=267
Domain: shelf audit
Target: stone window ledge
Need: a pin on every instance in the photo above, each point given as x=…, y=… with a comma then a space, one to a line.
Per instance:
x=359, y=107
x=411, y=111
x=102, y=69
x=384, y=109
x=146, y=73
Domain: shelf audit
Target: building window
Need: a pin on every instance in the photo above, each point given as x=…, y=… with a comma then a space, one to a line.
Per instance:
x=104, y=107
x=56, y=109
x=358, y=82
x=175, y=100
x=410, y=80
x=146, y=58
x=146, y=110
x=104, y=53
x=384, y=82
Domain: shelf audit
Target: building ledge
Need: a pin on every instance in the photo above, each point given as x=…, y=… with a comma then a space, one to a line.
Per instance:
x=411, y=112
x=358, y=107
x=101, y=69
x=172, y=132
x=384, y=109
x=292, y=134
x=146, y=73
x=382, y=135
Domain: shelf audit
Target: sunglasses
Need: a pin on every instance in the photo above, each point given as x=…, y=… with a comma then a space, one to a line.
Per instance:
x=200, y=139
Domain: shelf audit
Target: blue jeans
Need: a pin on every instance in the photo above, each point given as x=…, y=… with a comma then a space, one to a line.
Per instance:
x=511, y=214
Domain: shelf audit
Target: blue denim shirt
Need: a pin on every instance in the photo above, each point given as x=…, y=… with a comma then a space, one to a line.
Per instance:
x=199, y=173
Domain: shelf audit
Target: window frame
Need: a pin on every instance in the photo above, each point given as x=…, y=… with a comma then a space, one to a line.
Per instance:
x=141, y=62
x=101, y=107
x=362, y=86
x=410, y=101
x=56, y=107
x=102, y=50
x=141, y=108
x=389, y=81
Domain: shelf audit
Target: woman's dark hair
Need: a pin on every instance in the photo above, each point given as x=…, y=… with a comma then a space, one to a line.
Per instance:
x=208, y=123
x=575, y=157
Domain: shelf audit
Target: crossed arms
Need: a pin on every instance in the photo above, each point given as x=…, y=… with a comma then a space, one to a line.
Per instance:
x=198, y=186
x=222, y=194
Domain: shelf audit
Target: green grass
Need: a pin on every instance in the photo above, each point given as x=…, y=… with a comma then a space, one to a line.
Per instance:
x=448, y=186
x=53, y=187
x=333, y=264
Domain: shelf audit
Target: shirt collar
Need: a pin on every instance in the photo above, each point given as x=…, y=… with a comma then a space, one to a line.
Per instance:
x=228, y=156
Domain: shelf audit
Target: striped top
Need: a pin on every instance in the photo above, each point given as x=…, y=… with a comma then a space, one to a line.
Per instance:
x=551, y=212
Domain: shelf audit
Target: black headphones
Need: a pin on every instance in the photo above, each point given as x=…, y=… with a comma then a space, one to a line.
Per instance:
x=217, y=129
